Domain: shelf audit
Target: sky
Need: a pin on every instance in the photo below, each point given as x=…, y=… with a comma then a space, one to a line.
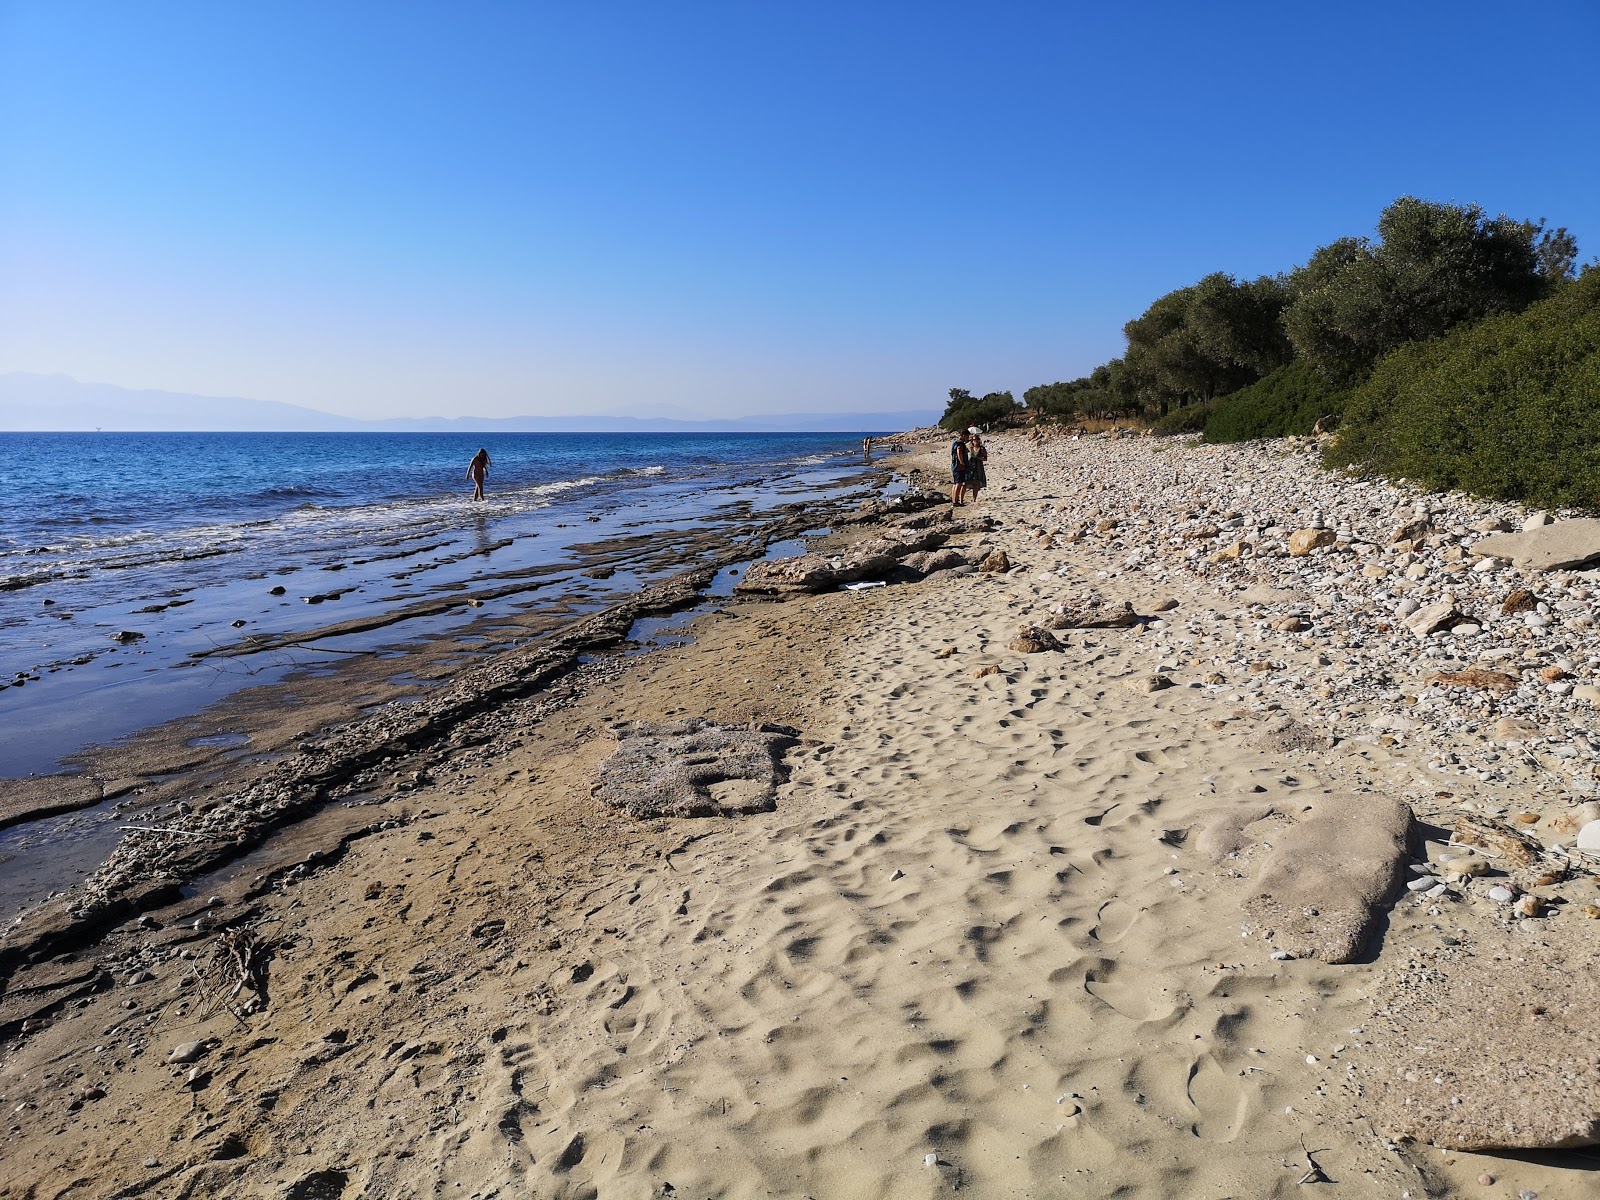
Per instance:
x=497, y=208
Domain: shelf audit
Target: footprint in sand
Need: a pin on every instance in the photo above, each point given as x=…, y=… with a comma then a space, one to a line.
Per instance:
x=1221, y=1102
x=1114, y=920
x=1129, y=992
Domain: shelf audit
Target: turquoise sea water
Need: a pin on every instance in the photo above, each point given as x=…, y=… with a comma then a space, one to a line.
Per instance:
x=180, y=540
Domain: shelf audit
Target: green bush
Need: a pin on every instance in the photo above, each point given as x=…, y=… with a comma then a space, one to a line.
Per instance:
x=1289, y=401
x=1191, y=418
x=966, y=409
x=1507, y=408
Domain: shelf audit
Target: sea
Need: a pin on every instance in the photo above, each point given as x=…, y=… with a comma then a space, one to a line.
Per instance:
x=128, y=559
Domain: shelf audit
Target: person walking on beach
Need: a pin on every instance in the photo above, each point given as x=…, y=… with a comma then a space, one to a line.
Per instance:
x=476, y=470
x=959, y=460
x=977, y=455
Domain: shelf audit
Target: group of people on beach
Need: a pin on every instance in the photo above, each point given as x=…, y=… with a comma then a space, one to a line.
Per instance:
x=967, y=474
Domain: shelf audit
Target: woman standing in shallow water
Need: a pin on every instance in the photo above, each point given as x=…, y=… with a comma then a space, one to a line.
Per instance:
x=476, y=470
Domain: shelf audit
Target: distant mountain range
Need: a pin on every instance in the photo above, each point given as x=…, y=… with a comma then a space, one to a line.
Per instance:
x=44, y=403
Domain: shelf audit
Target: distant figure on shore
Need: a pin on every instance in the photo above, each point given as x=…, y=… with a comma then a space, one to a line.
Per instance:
x=476, y=470
x=977, y=477
x=959, y=461
x=866, y=447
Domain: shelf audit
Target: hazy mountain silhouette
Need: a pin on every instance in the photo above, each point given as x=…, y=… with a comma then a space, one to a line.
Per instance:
x=38, y=403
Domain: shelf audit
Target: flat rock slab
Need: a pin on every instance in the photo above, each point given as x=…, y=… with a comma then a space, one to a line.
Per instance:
x=694, y=768
x=45, y=796
x=1326, y=877
x=1494, y=1051
x=1549, y=548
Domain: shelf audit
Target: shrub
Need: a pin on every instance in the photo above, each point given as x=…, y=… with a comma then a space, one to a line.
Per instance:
x=1289, y=401
x=1508, y=408
x=1191, y=418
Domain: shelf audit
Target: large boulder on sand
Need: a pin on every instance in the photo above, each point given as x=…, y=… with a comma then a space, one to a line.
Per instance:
x=1321, y=885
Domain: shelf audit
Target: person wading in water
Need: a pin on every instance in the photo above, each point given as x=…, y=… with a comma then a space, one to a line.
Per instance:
x=476, y=470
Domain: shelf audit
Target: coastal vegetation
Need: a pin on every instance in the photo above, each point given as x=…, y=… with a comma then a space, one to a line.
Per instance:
x=966, y=409
x=1456, y=348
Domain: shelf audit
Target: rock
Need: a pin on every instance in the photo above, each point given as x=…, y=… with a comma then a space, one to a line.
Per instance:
x=1286, y=735
x=995, y=564
x=1466, y=867
x=1508, y=729
x=1536, y=520
x=1564, y=824
x=1223, y=833
x=188, y=1052
x=1589, y=836
x=926, y=562
x=985, y=672
x=1166, y=605
x=1554, y=547
x=1476, y=677
x=1322, y=883
x=1295, y=624
x=600, y=572
x=1303, y=541
x=1094, y=614
x=1146, y=684
x=1501, y=894
x=1587, y=692
x=277, y=591
x=1413, y=531
x=1432, y=617
x=694, y=768
x=871, y=558
x=1487, y=1056
x=127, y=635
x=1520, y=600
x=1031, y=639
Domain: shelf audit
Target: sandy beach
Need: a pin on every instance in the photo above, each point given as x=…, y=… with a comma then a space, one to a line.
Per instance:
x=1118, y=851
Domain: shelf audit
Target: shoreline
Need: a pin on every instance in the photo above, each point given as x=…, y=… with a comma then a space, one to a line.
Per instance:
x=989, y=938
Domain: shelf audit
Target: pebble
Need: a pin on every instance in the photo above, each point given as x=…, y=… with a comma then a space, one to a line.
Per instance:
x=1503, y=894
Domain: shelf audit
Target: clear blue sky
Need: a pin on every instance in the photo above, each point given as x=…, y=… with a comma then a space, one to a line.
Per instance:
x=412, y=208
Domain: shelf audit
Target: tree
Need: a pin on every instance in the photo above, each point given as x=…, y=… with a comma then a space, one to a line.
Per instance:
x=1435, y=267
x=965, y=409
x=1209, y=339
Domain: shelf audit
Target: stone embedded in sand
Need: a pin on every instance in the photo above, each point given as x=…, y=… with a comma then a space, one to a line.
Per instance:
x=1286, y=735
x=1547, y=548
x=1261, y=593
x=1146, y=684
x=187, y=1052
x=1413, y=531
x=1489, y=1056
x=1229, y=553
x=1513, y=728
x=1293, y=624
x=1320, y=887
x=985, y=672
x=1303, y=541
x=996, y=563
x=1475, y=677
x=1519, y=601
x=1031, y=639
x=1095, y=614
x=694, y=768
